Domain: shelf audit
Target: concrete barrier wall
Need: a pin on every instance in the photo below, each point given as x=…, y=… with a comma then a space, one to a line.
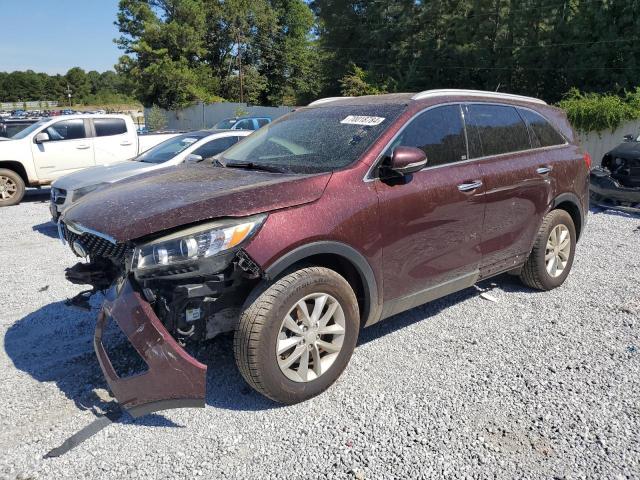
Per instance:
x=206, y=116
x=597, y=144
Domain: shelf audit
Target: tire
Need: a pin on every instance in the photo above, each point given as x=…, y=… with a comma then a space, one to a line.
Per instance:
x=536, y=271
x=261, y=330
x=11, y=188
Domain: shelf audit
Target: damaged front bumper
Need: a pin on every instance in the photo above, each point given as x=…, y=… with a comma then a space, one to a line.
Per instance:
x=174, y=379
x=606, y=192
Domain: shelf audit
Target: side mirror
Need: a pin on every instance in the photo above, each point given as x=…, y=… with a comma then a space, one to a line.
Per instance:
x=406, y=160
x=42, y=137
x=628, y=138
x=193, y=158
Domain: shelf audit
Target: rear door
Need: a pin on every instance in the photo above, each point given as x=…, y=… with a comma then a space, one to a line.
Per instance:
x=113, y=142
x=431, y=222
x=69, y=149
x=517, y=192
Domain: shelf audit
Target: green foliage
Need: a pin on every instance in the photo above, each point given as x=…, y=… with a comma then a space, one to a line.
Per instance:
x=354, y=83
x=156, y=119
x=597, y=112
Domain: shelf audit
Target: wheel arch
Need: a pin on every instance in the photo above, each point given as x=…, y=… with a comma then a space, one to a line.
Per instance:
x=15, y=167
x=343, y=259
x=570, y=203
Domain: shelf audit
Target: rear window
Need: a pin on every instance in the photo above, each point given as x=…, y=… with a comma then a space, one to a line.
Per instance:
x=105, y=127
x=262, y=122
x=500, y=128
x=314, y=140
x=542, y=133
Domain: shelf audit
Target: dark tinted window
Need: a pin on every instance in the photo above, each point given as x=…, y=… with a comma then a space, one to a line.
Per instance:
x=542, y=133
x=262, y=122
x=214, y=147
x=439, y=132
x=244, y=125
x=66, y=130
x=500, y=128
x=106, y=127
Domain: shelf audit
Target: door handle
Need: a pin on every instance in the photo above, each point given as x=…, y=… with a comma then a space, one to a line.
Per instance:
x=125, y=144
x=543, y=170
x=469, y=187
x=83, y=147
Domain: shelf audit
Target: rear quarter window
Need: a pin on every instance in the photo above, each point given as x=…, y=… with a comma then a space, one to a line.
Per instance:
x=500, y=127
x=106, y=127
x=542, y=133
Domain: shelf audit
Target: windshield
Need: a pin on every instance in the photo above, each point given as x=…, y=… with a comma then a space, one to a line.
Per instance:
x=30, y=129
x=226, y=124
x=169, y=148
x=315, y=140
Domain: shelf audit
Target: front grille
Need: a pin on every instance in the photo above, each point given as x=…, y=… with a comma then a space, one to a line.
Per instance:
x=58, y=195
x=96, y=246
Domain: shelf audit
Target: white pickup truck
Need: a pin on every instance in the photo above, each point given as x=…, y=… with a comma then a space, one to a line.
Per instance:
x=56, y=146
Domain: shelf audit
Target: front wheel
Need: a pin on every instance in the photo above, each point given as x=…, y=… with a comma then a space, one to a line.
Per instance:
x=552, y=255
x=11, y=188
x=296, y=335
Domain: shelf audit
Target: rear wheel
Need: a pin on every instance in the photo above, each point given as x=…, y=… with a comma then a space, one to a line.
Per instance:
x=11, y=188
x=296, y=335
x=552, y=256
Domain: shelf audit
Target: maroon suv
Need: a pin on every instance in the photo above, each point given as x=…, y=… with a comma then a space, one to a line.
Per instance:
x=332, y=218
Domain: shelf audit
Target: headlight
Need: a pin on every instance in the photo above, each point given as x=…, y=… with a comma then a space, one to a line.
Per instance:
x=196, y=243
x=81, y=192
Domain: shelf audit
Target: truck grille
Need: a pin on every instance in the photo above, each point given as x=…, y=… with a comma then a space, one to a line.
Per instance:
x=94, y=245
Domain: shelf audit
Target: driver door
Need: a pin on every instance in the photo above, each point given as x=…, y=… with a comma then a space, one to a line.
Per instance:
x=432, y=220
x=68, y=149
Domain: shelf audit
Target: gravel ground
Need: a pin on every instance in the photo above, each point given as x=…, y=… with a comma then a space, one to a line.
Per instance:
x=536, y=385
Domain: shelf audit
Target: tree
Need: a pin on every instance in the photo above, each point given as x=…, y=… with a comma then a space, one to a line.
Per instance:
x=354, y=84
x=156, y=119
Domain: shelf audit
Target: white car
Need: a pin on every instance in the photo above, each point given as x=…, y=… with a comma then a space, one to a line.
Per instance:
x=193, y=147
x=56, y=146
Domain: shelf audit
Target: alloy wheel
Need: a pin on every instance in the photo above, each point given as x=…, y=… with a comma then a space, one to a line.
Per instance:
x=8, y=188
x=558, y=250
x=310, y=337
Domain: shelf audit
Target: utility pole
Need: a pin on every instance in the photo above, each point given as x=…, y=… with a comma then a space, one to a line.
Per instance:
x=69, y=94
x=239, y=56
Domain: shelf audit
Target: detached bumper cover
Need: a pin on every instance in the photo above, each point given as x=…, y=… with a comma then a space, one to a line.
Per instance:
x=174, y=379
x=607, y=192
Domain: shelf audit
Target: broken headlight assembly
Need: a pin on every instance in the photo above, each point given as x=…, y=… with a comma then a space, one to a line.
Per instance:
x=203, y=249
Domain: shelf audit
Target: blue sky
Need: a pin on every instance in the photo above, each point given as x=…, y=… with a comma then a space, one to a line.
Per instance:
x=54, y=35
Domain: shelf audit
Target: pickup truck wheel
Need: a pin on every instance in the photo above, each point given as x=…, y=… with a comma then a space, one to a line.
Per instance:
x=551, y=259
x=296, y=335
x=11, y=188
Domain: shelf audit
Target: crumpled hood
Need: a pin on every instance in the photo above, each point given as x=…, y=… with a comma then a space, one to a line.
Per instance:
x=626, y=150
x=101, y=174
x=163, y=199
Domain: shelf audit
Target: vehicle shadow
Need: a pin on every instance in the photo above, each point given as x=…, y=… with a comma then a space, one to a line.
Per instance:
x=48, y=229
x=34, y=195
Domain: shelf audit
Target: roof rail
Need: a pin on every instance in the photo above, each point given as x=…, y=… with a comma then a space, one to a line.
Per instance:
x=474, y=93
x=326, y=100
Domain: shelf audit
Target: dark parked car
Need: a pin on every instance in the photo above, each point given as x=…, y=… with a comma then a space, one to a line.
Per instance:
x=10, y=126
x=329, y=219
x=616, y=184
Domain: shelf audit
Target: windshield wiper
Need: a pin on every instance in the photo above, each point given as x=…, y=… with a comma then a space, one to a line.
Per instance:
x=253, y=166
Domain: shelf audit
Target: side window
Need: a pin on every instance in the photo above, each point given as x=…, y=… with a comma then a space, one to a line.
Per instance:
x=106, y=127
x=542, y=133
x=439, y=132
x=66, y=130
x=244, y=125
x=262, y=122
x=500, y=128
x=214, y=147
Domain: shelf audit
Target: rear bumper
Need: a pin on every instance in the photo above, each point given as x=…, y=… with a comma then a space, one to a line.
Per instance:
x=607, y=192
x=174, y=379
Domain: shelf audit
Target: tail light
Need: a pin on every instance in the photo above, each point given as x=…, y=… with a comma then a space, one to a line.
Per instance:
x=587, y=160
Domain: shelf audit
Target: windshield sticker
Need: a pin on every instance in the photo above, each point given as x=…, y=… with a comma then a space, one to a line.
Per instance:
x=363, y=120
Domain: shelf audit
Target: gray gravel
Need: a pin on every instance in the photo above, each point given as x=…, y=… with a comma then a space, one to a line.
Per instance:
x=537, y=385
